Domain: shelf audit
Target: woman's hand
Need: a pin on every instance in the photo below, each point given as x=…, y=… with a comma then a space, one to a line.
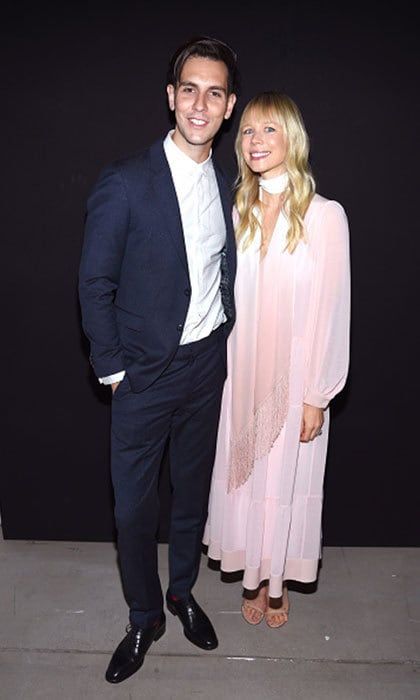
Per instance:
x=312, y=422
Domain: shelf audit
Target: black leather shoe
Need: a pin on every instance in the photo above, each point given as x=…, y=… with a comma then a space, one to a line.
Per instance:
x=197, y=626
x=129, y=655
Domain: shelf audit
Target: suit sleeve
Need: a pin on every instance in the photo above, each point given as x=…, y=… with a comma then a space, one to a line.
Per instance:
x=327, y=336
x=106, y=229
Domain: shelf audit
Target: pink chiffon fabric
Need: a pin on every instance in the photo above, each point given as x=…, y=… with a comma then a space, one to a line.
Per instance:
x=289, y=346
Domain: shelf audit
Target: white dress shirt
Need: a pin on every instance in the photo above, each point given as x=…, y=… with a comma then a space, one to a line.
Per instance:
x=205, y=236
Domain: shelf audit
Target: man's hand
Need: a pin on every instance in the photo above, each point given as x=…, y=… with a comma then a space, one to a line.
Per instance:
x=114, y=386
x=312, y=422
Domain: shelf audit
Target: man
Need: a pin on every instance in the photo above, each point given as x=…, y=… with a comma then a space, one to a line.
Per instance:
x=156, y=291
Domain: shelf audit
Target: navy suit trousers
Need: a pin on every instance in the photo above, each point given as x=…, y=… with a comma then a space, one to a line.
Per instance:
x=183, y=404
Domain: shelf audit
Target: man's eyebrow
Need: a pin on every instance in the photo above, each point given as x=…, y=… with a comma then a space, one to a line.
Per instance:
x=190, y=83
x=217, y=87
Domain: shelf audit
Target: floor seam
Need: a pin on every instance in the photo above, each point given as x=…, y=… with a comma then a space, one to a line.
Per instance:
x=228, y=657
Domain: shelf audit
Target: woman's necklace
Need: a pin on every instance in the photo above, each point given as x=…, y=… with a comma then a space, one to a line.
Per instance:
x=274, y=185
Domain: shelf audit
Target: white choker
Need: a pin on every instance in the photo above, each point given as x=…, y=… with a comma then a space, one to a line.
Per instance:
x=275, y=185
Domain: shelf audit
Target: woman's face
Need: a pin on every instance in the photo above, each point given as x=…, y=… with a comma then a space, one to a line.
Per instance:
x=264, y=145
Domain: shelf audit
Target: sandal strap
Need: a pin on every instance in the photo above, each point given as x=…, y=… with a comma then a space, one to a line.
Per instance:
x=279, y=614
x=247, y=605
x=277, y=611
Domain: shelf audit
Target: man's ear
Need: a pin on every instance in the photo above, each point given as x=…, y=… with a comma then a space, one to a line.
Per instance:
x=230, y=105
x=171, y=97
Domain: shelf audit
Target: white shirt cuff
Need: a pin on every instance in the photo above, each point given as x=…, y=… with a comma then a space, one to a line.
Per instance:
x=112, y=378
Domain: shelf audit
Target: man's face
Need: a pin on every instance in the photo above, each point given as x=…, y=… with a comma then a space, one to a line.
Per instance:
x=200, y=102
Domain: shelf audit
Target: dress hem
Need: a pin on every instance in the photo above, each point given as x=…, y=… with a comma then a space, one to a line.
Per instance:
x=302, y=570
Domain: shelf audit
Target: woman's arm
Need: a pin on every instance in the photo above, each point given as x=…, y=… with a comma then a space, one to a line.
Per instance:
x=328, y=329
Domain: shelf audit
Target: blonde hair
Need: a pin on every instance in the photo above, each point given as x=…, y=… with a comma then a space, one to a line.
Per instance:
x=301, y=186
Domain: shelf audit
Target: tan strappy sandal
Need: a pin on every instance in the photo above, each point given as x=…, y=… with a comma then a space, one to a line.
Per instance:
x=277, y=617
x=247, y=607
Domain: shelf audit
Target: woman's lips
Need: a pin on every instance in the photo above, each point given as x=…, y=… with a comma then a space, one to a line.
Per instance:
x=257, y=155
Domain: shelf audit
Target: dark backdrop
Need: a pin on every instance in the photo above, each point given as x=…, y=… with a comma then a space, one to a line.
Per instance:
x=84, y=84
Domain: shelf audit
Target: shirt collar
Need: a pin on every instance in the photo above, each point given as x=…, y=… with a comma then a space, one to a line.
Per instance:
x=182, y=162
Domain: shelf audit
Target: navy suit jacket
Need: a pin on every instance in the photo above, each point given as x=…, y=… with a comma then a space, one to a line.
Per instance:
x=134, y=285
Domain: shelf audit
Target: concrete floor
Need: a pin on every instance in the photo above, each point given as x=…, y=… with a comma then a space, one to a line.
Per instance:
x=62, y=613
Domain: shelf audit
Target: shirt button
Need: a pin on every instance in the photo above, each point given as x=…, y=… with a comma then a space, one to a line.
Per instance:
x=187, y=292
x=179, y=326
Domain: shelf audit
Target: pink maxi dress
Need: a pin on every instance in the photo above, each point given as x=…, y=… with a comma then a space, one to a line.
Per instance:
x=289, y=346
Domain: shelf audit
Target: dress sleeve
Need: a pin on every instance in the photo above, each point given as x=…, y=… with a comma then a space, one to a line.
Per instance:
x=328, y=329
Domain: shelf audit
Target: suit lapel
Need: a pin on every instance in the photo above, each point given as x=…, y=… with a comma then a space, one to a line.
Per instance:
x=226, y=200
x=167, y=207
x=165, y=200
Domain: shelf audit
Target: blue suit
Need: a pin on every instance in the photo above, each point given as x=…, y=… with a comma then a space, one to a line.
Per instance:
x=134, y=292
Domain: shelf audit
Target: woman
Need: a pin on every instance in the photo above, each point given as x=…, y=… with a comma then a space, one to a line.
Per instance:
x=287, y=358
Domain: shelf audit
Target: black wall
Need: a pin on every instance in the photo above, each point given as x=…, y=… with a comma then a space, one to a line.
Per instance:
x=84, y=84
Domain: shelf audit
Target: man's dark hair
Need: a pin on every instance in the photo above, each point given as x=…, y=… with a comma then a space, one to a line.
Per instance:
x=204, y=47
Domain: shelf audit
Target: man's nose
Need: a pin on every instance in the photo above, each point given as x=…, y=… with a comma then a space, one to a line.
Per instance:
x=200, y=103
